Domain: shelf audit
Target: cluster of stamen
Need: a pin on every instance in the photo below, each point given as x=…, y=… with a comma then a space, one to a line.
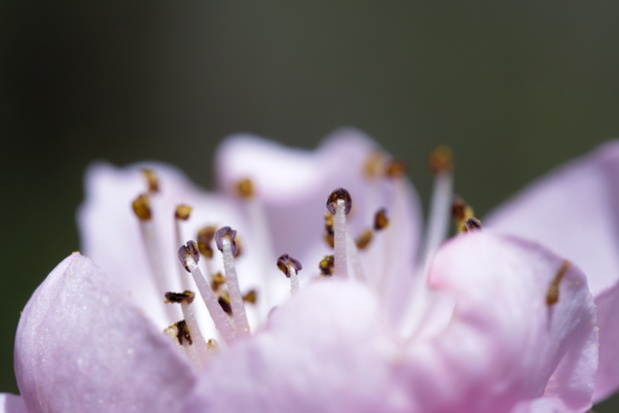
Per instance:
x=220, y=291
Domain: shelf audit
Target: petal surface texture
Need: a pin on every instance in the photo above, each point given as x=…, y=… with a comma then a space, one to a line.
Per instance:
x=81, y=346
x=10, y=403
x=505, y=346
x=325, y=350
x=574, y=211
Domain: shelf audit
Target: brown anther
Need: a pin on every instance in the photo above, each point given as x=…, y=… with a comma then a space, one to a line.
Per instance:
x=472, y=224
x=217, y=281
x=340, y=194
x=461, y=214
x=372, y=165
x=186, y=296
x=251, y=297
x=151, y=179
x=327, y=265
x=285, y=263
x=224, y=302
x=552, y=296
x=395, y=169
x=141, y=208
x=245, y=188
x=205, y=236
x=329, y=222
x=212, y=345
x=180, y=331
x=364, y=239
x=380, y=220
x=188, y=253
x=227, y=233
x=182, y=212
x=330, y=240
x=440, y=160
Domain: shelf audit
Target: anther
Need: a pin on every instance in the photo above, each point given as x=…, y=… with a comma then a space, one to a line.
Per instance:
x=189, y=256
x=327, y=266
x=286, y=263
x=227, y=233
x=182, y=212
x=440, y=160
x=363, y=240
x=461, y=213
x=251, y=297
x=552, y=296
x=180, y=331
x=205, y=237
x=186, y=297
x=395, y=169
x=472, y=224
x=141, y=208
x=337, y=196
x=381, y=221
x=224, y=302
x=151, y=179
x=217, y=281
x=245, y=188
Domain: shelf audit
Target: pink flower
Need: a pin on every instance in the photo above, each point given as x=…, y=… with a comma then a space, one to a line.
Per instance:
x=484, y=322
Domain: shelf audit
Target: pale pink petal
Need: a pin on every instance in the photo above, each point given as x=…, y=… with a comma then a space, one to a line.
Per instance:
x=10, y=403
x=574, y=212
x=110, y=232
x=325, y=350
x=504, y=344
x=607, y=380
x=81, y=346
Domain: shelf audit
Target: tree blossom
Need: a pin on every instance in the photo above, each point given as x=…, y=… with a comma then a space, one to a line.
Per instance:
x=367, y=316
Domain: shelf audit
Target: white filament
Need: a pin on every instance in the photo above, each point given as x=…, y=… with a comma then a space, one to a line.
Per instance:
x=236, y=298
x=339, y=239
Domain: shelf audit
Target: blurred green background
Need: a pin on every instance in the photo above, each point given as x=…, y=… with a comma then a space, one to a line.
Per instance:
x=515, y=88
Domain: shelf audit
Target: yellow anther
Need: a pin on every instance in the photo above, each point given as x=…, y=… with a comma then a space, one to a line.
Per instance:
x=182, y=212
x=327, y=265
x=380, y=220
x=141, y=208
x=245, y=188
x=217, y=281
x=364, y=239
x=205, y=237
x=395, y=169
x=440, y=160
x=461, y=213
x=251, y=297
x=151, y=180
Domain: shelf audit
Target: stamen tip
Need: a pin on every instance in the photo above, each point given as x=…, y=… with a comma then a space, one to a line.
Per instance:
x=285, y=263
x=151, y=179
x=440, y=160
x=189, y=255
x=339, y=194
x=141, y=208
x=182, y=212
x=229, y=234
x=245, y=188
x=327, y=265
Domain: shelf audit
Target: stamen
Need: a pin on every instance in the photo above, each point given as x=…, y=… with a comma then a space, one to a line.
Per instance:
x=290, y=267
x=225, y=238
x=339, y=204
x=181, y=213
x=189, y=256
x=326, y=265
x=151, y=179
x=353, y=253
x=395, y=169
x=329, y=233
x=224, y=302
x=373, y=164
x=552, y=296
x=205, y=236
x=472, y=224
x=186, y=296
x=142, y=209
x=440, y=162
x=180, y=331
x=245, y=188
x=181, y=334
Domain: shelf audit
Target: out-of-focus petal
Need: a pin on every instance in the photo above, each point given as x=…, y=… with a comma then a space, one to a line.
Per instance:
x=325, y=350
x=607, y=380
x=81, y=346
x=574, y=212
x=505, y=345
x=10, y=403
x=110, y=232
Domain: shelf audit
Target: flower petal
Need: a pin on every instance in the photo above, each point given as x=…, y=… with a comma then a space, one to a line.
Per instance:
x=10, y=403
x=607, y=380
x=505, y=345
x=573, y=211
x=325, y=350
x=81, y=346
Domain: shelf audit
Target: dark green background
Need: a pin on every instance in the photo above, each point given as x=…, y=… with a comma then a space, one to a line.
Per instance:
x=514, y=87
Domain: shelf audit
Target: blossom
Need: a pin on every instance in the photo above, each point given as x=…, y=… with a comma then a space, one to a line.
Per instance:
x=382, y=321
